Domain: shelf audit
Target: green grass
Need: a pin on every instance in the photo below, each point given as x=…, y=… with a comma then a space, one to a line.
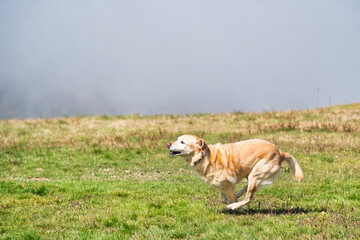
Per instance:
x=111, y=178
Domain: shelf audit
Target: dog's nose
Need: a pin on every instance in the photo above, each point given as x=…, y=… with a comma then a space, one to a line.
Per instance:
x=168, y=145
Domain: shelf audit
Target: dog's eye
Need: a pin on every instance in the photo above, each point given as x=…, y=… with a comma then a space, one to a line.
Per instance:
x=182, y=142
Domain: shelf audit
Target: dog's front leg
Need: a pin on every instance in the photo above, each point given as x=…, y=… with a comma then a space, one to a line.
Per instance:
x=223, y=198
x=229, y=193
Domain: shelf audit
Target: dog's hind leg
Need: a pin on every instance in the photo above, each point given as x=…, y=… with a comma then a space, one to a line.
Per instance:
x=263, y=174
x=241, y=192
x=251, y=189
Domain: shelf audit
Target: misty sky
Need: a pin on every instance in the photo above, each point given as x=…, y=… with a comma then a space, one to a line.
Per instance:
x=176, y=56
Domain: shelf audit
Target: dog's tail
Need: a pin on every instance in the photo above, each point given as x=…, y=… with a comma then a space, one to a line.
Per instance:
x=294, y=165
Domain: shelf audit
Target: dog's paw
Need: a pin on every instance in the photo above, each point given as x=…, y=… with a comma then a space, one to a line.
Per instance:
x=232, y=206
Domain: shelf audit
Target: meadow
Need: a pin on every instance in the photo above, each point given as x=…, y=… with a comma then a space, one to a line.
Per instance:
x=110, y=177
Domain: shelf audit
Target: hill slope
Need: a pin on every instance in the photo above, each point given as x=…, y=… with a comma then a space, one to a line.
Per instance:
x=110, y=177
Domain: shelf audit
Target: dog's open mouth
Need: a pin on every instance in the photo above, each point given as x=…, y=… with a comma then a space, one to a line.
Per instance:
x=174, y=153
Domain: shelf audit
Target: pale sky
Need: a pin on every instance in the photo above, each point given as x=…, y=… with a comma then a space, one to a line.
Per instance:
x=89, y=57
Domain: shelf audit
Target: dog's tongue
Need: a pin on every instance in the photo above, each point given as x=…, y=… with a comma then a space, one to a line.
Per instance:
x=173, y=153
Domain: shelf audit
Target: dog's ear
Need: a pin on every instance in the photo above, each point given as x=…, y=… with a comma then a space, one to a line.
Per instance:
x=200, y=143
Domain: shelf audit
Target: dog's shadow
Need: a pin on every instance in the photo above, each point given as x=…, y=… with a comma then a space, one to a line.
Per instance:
x=271, y=211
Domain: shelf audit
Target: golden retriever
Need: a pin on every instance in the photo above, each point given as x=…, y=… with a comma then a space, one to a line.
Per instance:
x=224, y=165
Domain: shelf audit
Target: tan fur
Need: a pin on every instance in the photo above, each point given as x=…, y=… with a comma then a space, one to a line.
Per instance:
x=224, y=165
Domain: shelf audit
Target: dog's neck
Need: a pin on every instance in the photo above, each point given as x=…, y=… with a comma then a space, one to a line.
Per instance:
x=201, y=159
x=199, y=162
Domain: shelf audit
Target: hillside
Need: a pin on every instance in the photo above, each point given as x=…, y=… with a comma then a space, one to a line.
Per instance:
x=108, y=177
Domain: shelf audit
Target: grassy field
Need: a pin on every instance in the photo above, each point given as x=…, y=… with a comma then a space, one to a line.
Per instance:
x=111, y=178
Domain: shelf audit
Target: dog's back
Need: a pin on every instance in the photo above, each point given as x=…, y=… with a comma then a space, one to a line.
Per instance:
x=241, y=157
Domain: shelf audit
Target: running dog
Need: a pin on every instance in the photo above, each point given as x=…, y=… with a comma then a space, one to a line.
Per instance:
x=224, y=165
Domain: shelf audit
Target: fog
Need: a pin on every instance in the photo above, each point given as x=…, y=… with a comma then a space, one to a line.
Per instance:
x=65, y=58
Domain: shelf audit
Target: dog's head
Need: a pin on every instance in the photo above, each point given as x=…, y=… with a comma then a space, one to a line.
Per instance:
x=189, y=146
